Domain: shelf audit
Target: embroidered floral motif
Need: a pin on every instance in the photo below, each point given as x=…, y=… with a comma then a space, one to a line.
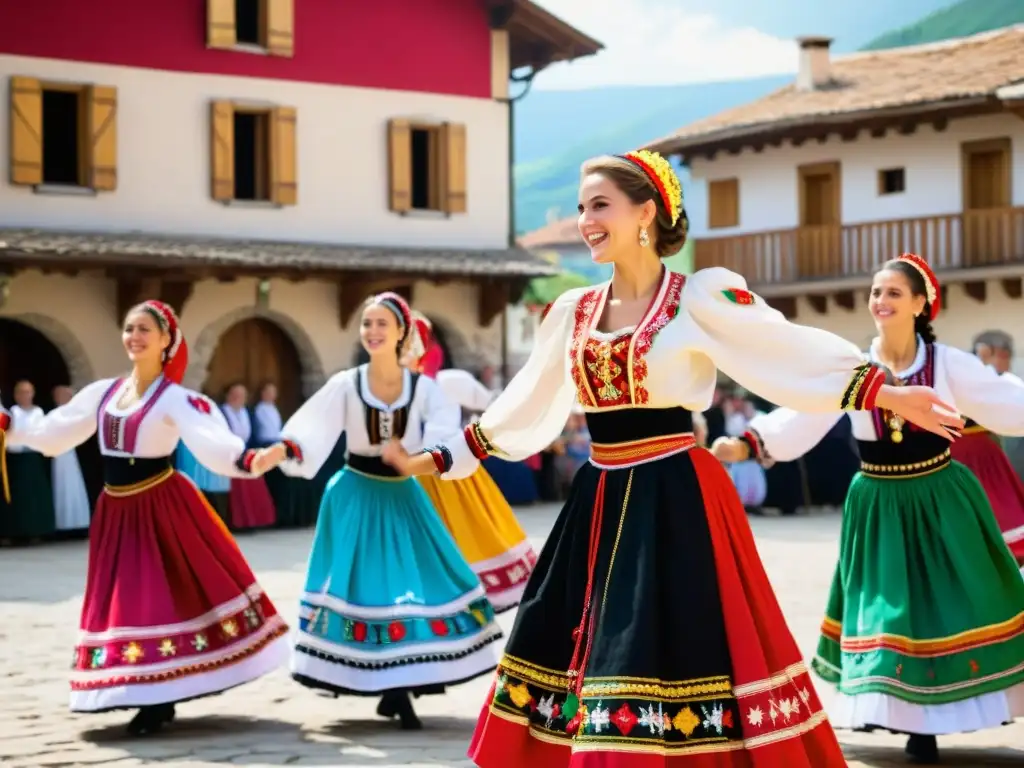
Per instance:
x=167, y=647
x=613, y=372
x=468, y=621
x=200, y=403
x=739, y=296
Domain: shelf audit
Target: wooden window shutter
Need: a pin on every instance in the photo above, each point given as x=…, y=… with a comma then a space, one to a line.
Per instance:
x=723, y=203
x=222, y=150
x=400, y=165
x=281, y=27
x=284, y=181
x=221, y=24
x=101, y=135
x=454, y=169
x=26, y=131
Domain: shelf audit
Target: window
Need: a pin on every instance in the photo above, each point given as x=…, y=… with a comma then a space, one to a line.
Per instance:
x=723, y=203
x=892, y=181
x=253, y=154
x=427, y=165
x=266, y=25
x=63, y=135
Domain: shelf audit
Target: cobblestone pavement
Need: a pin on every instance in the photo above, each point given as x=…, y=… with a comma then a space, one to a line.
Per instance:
x=276, y=722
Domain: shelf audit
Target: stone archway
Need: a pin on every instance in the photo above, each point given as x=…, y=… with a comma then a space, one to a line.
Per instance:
x=80, y=370
x=201, y=352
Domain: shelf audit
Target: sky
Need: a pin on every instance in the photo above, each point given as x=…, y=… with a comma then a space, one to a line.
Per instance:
x=665, y=42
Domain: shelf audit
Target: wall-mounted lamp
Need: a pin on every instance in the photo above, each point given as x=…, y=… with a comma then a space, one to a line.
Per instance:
x=263, y=294
x=5, y=289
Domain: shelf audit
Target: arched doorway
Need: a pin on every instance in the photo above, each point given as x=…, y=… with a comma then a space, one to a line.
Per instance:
x=439, y=335
x=25, y=353
x=253, y=352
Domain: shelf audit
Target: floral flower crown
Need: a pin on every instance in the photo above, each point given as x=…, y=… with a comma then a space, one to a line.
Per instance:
x=664, y=178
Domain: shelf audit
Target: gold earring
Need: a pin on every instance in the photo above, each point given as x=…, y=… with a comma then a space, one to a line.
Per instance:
x=645, y=239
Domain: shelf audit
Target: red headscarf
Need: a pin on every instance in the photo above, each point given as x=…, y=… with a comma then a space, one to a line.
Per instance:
x=428, y=357
x=176, y=355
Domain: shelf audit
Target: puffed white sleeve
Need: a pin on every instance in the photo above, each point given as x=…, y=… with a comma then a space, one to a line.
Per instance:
x=785, y=434
x=64, y=428
x=995, y=402
x=312, y=432
x=205, y=432
x=532, y=410
x=463, y=388
x=442, y=415
x=792, y=365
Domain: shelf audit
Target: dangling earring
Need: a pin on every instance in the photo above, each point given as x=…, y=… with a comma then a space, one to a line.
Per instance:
x=645, y=239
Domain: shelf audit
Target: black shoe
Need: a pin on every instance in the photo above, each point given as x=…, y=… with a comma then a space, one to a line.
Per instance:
x=389, y=704
x=407, y=715
x=150, y=720
x=922, y=750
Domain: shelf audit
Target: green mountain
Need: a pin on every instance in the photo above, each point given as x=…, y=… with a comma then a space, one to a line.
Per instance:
x=968, y=17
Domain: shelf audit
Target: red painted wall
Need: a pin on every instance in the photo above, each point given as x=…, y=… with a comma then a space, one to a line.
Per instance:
x=433, y=46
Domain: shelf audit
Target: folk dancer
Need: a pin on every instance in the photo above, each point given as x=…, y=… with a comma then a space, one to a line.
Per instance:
x=648, y=634
x=390, y=607
x=171, y=611
x=924, y=629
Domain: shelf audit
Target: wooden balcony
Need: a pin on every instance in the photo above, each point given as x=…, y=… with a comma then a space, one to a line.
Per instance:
x=988, y=238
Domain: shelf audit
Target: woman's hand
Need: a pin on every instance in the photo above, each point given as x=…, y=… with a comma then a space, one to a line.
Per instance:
x=268, y=458
x=730, y=450
x=394, y=455
x=923, y=407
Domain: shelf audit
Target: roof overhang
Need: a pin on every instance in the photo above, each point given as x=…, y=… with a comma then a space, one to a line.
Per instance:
x=77, y=250
x=538, y=38
x=805, y=127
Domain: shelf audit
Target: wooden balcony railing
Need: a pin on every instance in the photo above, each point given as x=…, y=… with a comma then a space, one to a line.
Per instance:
x=955, y=241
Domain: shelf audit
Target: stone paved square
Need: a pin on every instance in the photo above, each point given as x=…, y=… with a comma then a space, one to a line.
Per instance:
x=276, y=722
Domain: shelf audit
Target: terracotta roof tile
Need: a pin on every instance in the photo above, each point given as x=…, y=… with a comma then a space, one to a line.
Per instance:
x=35, y=245
x=562, y=232
x=946, y=72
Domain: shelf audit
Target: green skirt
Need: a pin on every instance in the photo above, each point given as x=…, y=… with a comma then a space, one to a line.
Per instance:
x=926, y=609
x=30, y=515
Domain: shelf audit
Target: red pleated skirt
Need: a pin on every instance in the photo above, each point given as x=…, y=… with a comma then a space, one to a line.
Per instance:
x=981, y=453
x=251, y=504
x=172, y=610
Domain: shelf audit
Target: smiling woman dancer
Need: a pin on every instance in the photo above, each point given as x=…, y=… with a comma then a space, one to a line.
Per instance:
x=648, y=635
x=924, y=630
x=390, y=607
x=172, y=611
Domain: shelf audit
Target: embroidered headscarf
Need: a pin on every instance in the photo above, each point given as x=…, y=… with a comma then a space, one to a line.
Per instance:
x=175, y=359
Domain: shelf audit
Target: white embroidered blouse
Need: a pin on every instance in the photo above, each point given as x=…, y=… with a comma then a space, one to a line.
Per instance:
x=149, y=428
x=694, y=326
x=422, y=415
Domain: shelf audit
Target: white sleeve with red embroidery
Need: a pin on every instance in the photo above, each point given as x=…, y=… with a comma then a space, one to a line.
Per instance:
x=787, y=364
x=317, y=426
x=64, y=428
x=532, y=410
x=995, y=402
x=786, y=435
x=463, y=388
x=205, y=432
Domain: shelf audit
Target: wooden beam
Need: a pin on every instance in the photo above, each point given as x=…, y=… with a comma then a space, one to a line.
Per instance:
x=133, y=288
x=353, y=290
x=845, y=299
x=976, y=289
x=1013, y=286
x=1018, y=111
x=818, y=302
x=940, y=124
x=944, y=293
x=908, y=128
x=492, y=299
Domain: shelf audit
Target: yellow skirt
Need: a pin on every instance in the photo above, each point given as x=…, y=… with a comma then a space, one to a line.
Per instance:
x=487, y=533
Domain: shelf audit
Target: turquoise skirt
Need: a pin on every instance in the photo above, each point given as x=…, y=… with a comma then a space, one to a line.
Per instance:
x=389, y=602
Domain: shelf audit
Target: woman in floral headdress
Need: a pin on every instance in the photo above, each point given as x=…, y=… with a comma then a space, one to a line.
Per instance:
x=390, y=607
x=474, y=509
x=171, y=611
x=924, y=629
x=648, y=634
